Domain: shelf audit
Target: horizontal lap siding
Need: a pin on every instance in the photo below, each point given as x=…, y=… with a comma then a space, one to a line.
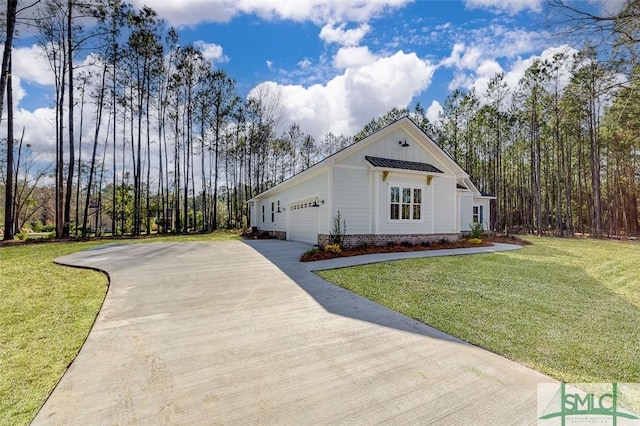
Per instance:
x=304, y=191
x=466, y=211
x=444, y=205
x=351, y=196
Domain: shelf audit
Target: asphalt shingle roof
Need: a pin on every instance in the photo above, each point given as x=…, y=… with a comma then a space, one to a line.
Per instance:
x=402, y=164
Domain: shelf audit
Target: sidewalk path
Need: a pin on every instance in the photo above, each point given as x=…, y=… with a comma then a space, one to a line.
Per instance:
x=242, y=333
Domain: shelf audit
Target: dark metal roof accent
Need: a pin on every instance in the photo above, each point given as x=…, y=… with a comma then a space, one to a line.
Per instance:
x=402, y=164
x=459, y=186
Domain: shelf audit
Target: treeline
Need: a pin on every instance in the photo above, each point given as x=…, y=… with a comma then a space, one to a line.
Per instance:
x=560, y=151
x=174, y=148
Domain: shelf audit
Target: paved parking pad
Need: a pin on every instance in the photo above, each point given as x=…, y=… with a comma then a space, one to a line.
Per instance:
x=242, y=333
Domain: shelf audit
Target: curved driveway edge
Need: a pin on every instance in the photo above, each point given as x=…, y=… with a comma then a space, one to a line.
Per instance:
x=242, y=333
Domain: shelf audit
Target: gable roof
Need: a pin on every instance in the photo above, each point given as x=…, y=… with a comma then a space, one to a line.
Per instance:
x=402, y=164
x=404, y=122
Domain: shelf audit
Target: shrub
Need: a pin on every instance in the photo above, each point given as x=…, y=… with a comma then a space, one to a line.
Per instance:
x=48, y=227
x=333, y=248
x=425, y=243
x=475, y=240
x=339, y=229
x=310, y=252
x=22, y=235
x=476, y=230
x=406, y=244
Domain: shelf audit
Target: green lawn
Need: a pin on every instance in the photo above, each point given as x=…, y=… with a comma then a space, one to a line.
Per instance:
x=569, y=308
x=46, y=312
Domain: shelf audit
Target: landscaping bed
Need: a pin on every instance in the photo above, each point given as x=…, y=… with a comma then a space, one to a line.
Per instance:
x=323, y=254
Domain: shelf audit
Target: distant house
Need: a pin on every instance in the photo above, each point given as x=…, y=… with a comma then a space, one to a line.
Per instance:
x=395, y=185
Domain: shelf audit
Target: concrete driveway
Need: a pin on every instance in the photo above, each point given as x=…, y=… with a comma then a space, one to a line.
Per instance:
x=241, y=333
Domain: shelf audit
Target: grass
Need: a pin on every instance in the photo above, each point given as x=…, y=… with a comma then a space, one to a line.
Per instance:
x=569, y=308
x=46, y=313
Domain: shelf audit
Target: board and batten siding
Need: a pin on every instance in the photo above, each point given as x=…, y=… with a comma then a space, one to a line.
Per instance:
x=352, y=197
x=388, y=147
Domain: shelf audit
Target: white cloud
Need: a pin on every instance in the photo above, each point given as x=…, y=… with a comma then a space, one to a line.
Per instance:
x=479, y=79
x=349, y=57
x=211, y=52
x=348, y=101
x=269, y=64
x=518, y=69
x=510, y=6
x=476, y=57
x=463, y=57
x=464, y=80
x=434, y=111
x=489, y=68
x=350, y=37
x=192, y=12
x=31, y=64
x=611, y=7
x=39, y=129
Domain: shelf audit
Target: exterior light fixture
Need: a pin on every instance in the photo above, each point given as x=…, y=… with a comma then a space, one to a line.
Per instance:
x=403, y=143
x=316, y=202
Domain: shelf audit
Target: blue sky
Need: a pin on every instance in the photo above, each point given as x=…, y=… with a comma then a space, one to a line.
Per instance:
x=335, y=63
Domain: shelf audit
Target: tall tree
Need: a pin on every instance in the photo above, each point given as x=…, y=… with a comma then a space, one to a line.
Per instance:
x=145, y=60
x=11, y=18
x=224, y=99
x=100, y=98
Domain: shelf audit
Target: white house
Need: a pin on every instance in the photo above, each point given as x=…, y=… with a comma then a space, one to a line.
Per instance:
x=395, y=185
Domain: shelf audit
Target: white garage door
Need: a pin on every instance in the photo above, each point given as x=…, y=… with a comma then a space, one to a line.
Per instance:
x=303, y=223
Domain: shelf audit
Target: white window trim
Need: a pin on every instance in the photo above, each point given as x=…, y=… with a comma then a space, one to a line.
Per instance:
x=477, y=217
x=411, y=186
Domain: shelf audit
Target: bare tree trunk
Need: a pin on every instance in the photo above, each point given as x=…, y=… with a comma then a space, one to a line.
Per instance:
x=9, y=202
x=595, y=172
x=6, y=86
x=60, y=156
x=16, y=199
x=148, y=188
x=79, y=176
x=70, y=169
x=114, y=210
x=205, y=215
x=93, y=155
